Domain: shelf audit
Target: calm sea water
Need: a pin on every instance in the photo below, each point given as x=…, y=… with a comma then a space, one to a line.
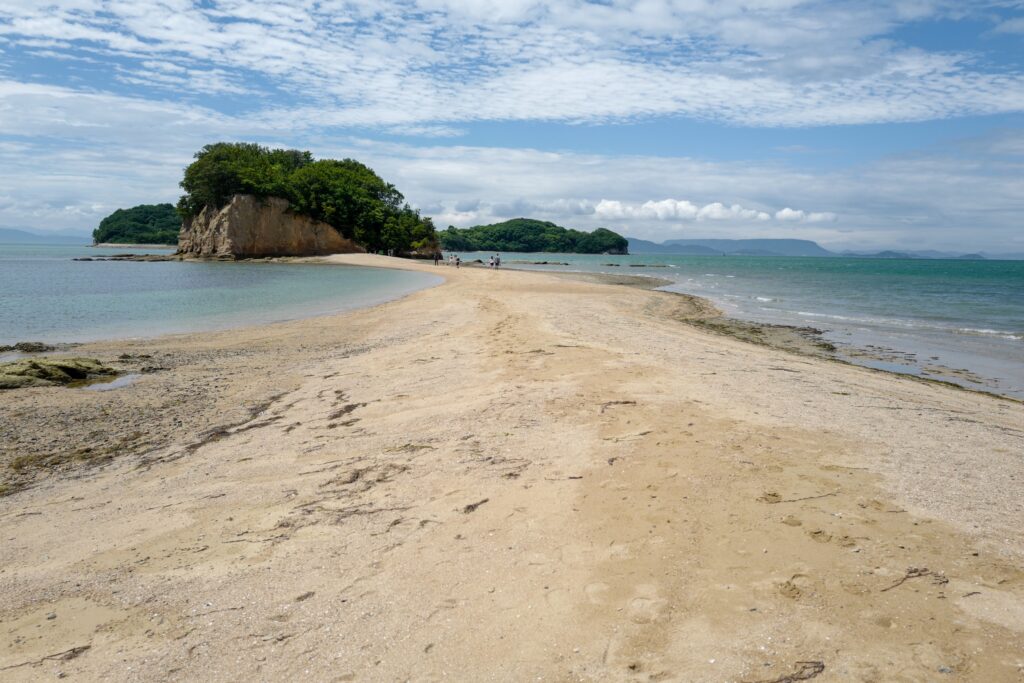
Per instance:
x=47, y=296
x=928, y=316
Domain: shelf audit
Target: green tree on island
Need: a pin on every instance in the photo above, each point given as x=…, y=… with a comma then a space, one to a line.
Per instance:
x=345, y=194
x=143, y=224
x=528, y=235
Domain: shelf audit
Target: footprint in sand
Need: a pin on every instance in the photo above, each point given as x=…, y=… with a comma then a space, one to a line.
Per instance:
x=647, y=610
x=884, y=622
x=796, y=587
x=646, y=607
x=597, y=593
x=820, y=536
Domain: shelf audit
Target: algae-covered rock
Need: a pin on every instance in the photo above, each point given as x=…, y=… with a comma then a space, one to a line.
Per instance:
x=37, y=372
x=28, y=347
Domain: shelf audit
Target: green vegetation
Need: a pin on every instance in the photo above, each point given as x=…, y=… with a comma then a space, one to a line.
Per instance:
x=344, y=194
x=143, y=224
x=528, y=235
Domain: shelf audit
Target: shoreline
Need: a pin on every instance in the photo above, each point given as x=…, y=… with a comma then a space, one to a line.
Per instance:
x=604, y=489
x=130, y=245
x=901, y=344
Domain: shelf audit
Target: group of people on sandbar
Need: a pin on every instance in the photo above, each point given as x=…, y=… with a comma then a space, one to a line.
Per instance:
x=455, y=260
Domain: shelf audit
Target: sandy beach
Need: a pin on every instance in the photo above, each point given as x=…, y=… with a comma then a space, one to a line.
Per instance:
x=509, y=477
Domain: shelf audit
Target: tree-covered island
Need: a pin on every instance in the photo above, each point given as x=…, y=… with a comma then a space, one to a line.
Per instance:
x=529, y=235
x=142, y=224
x=346, y=194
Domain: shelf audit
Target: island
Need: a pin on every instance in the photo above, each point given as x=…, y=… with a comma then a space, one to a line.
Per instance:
x=142, y=224
x=529, y=235
x=244, y=200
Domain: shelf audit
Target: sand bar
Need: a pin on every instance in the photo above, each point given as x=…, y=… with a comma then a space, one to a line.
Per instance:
x=508, y=477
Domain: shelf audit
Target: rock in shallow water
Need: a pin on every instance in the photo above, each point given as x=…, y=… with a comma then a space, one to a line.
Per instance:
x=41, y=372
x=28, y=347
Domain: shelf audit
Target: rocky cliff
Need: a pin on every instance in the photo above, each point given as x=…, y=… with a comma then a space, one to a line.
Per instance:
x=252, y=227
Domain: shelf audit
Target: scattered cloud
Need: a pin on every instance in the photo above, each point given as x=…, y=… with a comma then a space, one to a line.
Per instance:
x=1015, y=25
x=435, y=62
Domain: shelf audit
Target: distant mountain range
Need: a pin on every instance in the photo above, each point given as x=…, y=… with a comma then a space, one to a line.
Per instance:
x=785, y=247
x=716, y=247
x=12, y=236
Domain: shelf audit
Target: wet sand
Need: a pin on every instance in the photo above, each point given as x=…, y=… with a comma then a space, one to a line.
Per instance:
x=511, y=476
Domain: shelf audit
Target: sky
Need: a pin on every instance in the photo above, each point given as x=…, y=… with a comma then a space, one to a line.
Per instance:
x=860, y=125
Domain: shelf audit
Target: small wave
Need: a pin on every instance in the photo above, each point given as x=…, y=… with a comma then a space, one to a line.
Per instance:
x=764, y=298
x=983, y=332
x=808, y=314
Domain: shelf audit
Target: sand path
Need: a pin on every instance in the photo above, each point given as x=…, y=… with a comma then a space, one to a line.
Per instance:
x=515, y=477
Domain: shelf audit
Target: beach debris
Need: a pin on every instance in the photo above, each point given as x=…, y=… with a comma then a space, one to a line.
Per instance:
x=608, y=404
x=773, y=498
x=804, y=671
x=473, y=506
x=918, y=572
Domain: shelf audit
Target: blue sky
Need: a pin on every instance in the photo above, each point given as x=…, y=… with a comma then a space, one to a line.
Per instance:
x=856, y=124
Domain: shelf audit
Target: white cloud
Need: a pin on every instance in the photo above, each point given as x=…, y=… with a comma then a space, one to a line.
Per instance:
x=684, y=210
x=801, y=216
x=788, y=214
x=1015, y=25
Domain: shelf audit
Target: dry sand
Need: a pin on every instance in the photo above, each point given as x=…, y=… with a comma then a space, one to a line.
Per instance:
x=508, y=477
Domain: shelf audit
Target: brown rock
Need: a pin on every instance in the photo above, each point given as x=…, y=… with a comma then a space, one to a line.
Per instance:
x=252, y=227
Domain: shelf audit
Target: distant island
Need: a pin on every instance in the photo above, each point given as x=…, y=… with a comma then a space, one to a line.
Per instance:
x=529, y=235
x=780, y=247
x=733, y=247
x=13, y=236
x=142, y=224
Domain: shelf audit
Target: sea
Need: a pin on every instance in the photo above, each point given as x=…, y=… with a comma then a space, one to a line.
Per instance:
x=956, y=320
x=47, y=296
x=960, y=321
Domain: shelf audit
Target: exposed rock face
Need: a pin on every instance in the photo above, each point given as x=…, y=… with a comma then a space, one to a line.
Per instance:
x=252, y=227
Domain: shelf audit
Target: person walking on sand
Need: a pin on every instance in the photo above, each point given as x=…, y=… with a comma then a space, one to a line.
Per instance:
x=458, y=261
x=490, y=262
x=437, y=257
x=497, y=260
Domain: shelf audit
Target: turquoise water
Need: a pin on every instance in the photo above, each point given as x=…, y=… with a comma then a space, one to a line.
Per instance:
x=47, y=296
x=918, y=316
